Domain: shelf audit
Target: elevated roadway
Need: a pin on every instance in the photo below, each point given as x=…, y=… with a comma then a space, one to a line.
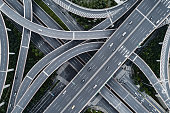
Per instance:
x=4, y=54
x=69, y=21
x=151, y=77
x=164, y=62
x=58, y=61
x=136, y=33
x=114, y=101
x=40, y=65
x=24, y=46
x=130, y=100
x=86, y=12
x=140, y=96
x=53, y=33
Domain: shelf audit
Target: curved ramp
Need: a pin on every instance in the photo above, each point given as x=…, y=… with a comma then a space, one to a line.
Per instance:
x=56, y=63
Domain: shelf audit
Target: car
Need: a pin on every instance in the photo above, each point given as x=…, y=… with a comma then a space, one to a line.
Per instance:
x=89, y=69
x=94, y=86
x=111, y=95
x=119, y=63
x=40, y=30
x=150, y=18
x=130, y=22
x=113, y=50
x=82, y=81
x=157, y=21
x=107, y=68
x=73, y=107
x=111, y=45
x=124, y=34
x=64, y=92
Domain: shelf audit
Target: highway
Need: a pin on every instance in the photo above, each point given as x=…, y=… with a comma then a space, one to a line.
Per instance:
x=57, y=62
x=24, y=46
x=69, y=35
x=149, y=105
x=126, y=96
x=124, y=8
x=4, y=54
x=69, y=21
x=30, y=76
x=119, y=46
x=114, y=101
x=39, y=12
x=106, y=106
x=118, y=58
x=86, y=12
x=151, y=76
x=164, y=62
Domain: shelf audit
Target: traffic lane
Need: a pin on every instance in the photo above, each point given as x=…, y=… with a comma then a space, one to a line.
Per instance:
x=148, y=73
x=119, y=90
x=4, y=49
x=141, y=33
x=114, y=101
x=91, y=88
x=139, y=97
x=117, y=62
x=158, y=87
x=41, y=64
x=136, y=107
x=26, y=40
x=161, y=10
x=122, y=10
x=147, y=5
x=31, y=90
x=123, y=109
x=111, y=98
x=28, y=7
x=23, y=88
x=93, y=34
x=128, y=95
x=57, y=63
x=48, y=31
x=104, y=104
x=55, y=8
x=44, y=16
x=15, y=4
x=153, y=103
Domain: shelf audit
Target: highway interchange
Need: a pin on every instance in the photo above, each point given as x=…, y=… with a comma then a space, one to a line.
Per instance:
x=145, y=16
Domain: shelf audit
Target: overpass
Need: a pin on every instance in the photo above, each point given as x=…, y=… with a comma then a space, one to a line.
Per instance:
x=4, y=54
x=164, y=62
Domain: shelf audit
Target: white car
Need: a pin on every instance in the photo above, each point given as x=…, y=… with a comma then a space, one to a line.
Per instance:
x=119, y=63
x=73, y=107
x=124, y=34
x=94, y=86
